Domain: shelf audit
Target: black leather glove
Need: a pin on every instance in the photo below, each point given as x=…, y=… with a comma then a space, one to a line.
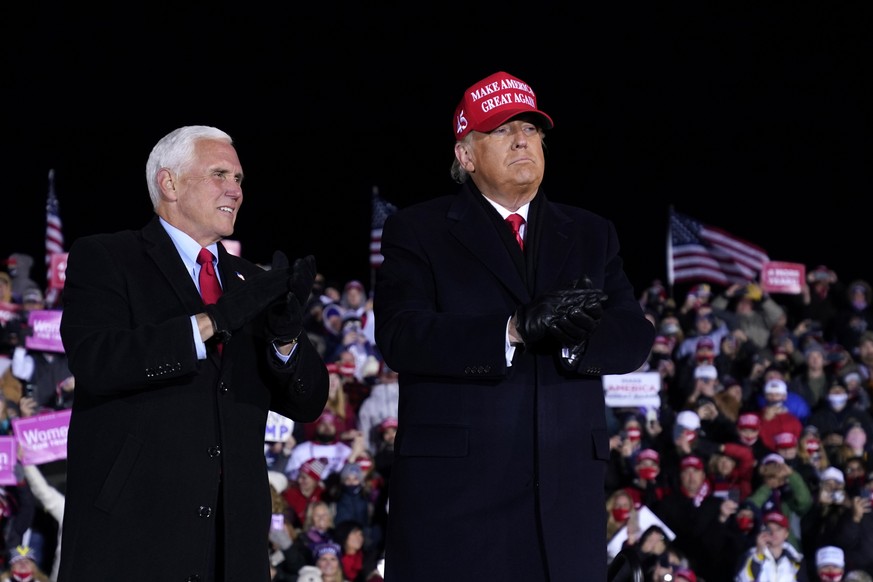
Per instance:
x=237, y=307
x=538, y=318
x=579, y=320
x=285, y=317
x=302, y=278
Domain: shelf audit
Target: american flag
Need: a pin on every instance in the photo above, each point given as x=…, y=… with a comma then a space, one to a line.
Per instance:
x=699, y=252
x=54, y=237
x=382, y=209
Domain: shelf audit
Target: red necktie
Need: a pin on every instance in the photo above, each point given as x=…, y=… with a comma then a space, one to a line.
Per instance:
x=515, y=221
x=210, y=289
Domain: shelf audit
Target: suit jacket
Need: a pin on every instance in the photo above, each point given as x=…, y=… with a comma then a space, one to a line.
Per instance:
x=499, y=471
x=165, y=450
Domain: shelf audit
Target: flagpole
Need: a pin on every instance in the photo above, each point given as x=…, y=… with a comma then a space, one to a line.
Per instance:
x=374, y=195
x=670, y=251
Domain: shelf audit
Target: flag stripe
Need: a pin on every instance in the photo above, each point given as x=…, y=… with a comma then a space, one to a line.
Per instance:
x=382, y=209
x=699, y=252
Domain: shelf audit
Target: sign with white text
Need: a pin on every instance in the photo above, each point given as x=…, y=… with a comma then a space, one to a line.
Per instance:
x=637, y=389
x=43, y=438
x=45, y=325
x=782, y=277
x=8, y=460
x=279, y=428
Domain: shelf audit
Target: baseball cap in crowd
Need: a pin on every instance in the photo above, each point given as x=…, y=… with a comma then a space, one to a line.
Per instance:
x=749, y=420
x=705, y=371
x=32, y=295
x=773, y=458
x=830, y=556
x=648, y=455
x=785, y=440
x=492, y=102
x=775, y=386
x=777, y=518
x=688, y=419
x=691, y=461
x=832, y=474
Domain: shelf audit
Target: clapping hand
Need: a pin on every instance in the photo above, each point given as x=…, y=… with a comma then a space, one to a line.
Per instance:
x=285, y=316
x=579, y=319
x=239, y=306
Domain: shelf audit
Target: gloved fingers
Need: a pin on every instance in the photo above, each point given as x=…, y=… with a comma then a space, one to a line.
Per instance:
x=302, y=278
x=565, y=332
x=280, y=260
x=582, y=320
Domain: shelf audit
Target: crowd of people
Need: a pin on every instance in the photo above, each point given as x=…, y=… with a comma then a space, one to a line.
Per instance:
x=756, y=466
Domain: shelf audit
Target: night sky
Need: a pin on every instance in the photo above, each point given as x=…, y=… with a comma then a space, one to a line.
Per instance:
x=750, y=116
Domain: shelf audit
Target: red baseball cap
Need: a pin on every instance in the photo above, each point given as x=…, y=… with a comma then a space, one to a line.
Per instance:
x=492, y=102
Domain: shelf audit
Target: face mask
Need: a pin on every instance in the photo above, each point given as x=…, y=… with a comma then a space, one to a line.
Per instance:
x=690, y=435
x=749, y=439
x=745, y=523
x=830, y=576
x=838, y=401
x=648, y=473
x=839, y=496
x=620, y=514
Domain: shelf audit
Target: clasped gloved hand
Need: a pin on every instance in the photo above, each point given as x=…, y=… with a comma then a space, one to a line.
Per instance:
x=537, y=319
x=579, y=319
x=569, y=315
x=237, y=307
x=285, y=317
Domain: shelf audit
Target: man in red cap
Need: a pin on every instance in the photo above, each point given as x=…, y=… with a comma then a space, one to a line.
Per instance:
x=773, y=557
x=501, y=310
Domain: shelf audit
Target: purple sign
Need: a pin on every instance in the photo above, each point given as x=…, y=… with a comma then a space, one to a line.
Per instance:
x=46, y=326
x=43, y=438
x=8, y=460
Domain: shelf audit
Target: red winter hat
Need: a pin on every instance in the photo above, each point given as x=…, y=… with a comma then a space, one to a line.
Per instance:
x=492, y=102
x=314, y=468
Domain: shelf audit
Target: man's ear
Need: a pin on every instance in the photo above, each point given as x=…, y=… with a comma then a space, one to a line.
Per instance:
x=167, y=183
x=462, y=154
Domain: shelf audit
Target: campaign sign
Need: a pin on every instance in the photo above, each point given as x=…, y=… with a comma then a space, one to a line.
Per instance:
x=279, y=428
x=43, y=438
x=8, y=460
x=46, y=327
x=8, y=311
x=637, y=389
x=782, y=277
x=57, y=275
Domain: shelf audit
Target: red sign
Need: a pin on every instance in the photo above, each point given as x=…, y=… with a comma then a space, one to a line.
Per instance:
x=57, y=270
x=782, y=277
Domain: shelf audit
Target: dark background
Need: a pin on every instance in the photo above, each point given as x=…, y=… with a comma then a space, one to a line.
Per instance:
x=750, y=116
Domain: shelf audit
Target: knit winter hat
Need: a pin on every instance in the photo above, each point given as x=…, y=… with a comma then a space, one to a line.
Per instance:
x=315, y=468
